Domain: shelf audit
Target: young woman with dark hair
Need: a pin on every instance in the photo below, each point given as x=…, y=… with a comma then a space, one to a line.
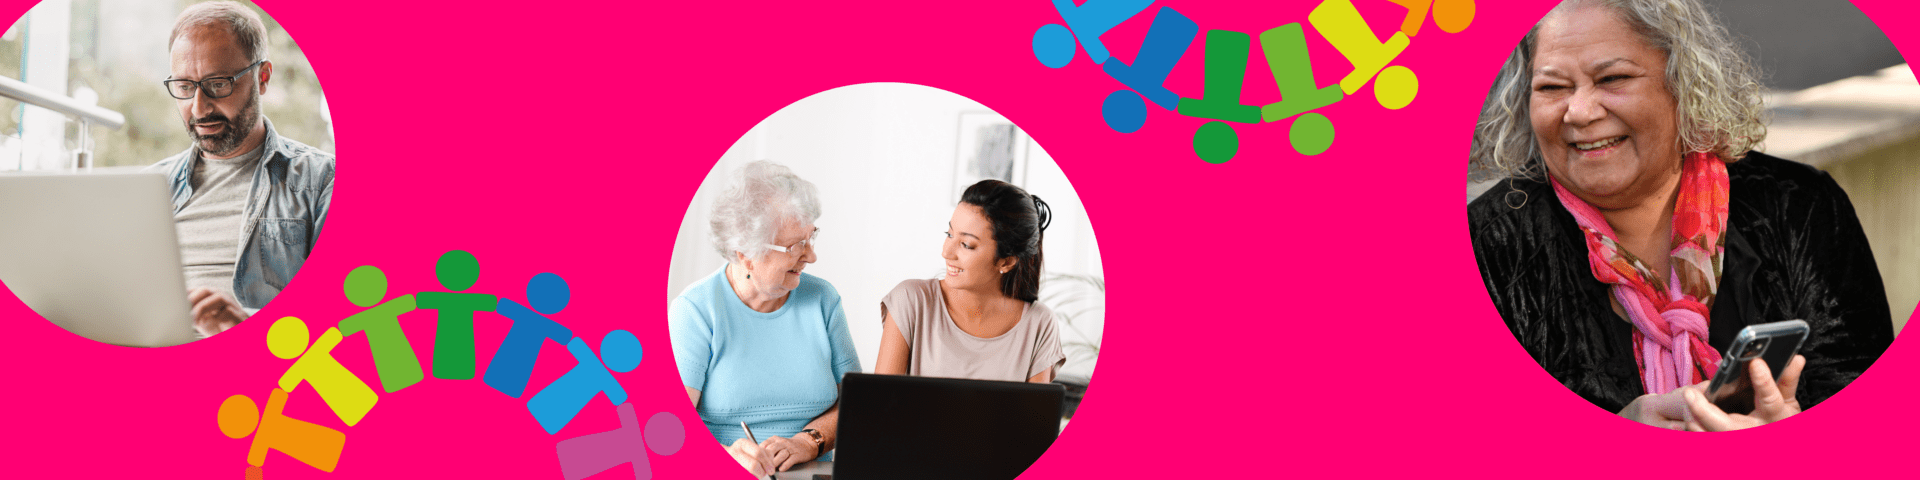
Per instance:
x=978, y=320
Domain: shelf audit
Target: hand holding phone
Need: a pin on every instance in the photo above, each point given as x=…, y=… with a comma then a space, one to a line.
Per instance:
x=1773, y=400
x=1775, y=343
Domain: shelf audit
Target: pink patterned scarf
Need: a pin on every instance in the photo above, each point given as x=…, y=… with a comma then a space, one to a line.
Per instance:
x=1670, y=324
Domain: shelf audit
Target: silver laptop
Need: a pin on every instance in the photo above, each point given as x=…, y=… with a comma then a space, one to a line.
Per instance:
x=96, y=255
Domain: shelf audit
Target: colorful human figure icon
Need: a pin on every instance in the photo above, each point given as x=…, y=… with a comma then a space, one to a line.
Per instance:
x=1397, y=85
x=1053, y=44
x=590, y=454
x=1226, y=72
x=1167, y=40
x=557, y=404
x=1286, y=49
x=512, y=363
x=348, y=396
x=311, y=444
x=1171, y=34
x=1452, y=16
x=1342, y=25
x=392, y=355
x=453, y=339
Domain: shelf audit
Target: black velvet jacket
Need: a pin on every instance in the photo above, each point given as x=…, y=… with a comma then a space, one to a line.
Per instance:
x=1794, y=250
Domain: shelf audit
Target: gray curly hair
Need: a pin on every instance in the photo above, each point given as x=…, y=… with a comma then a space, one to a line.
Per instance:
x=1715, y=86
x=760, y=198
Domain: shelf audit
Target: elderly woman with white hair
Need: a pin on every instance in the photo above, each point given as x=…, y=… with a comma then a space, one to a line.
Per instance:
x=759, y=341
x=1655, y=234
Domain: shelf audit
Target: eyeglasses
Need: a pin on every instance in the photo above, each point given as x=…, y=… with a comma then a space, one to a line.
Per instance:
x=807, y=244
x=216, y=87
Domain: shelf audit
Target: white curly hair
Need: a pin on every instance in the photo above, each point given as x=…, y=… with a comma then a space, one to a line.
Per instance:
x=760, y=198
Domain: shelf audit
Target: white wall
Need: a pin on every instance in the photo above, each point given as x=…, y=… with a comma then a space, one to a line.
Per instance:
x=883, y=157
x=44, y=64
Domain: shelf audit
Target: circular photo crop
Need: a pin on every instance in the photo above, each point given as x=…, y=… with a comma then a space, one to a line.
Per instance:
x=1693, y=225
x=877, y=268
x=165, y=168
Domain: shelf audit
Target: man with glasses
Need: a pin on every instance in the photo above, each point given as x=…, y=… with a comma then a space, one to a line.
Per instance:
x=247, y=202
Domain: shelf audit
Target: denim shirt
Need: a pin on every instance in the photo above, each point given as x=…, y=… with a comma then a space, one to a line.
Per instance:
x=285, y=209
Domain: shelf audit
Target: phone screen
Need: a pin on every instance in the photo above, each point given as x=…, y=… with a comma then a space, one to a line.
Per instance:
x=1736, y=394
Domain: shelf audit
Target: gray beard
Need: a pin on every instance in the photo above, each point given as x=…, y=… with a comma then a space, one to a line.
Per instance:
x=228, y=141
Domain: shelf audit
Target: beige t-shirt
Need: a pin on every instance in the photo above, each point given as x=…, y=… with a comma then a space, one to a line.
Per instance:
x=941, y=349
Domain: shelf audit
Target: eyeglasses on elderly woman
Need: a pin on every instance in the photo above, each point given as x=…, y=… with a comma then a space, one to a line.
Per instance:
x=806, y=243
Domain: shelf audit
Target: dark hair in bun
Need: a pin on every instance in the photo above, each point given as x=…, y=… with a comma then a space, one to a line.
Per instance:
x=1019, y=222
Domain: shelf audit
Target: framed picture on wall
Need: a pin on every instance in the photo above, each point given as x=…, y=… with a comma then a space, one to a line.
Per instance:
x=990, y=146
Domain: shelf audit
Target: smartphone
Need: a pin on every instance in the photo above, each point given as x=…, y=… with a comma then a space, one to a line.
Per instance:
x=1774, y=343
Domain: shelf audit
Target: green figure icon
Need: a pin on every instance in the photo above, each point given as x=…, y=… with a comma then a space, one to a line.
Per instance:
x=453, y=340
x=392, y=356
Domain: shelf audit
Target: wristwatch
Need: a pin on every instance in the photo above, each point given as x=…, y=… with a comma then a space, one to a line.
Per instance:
x=819, y=442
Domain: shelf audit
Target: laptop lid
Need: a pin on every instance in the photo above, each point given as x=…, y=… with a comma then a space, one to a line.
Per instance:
x=894, y=427
x=96, y=255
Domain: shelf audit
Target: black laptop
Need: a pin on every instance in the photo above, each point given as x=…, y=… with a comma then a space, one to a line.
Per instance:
x=900, y=427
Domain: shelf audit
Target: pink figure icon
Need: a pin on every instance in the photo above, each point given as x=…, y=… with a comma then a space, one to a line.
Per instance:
x=311, y=444
x=590, y=454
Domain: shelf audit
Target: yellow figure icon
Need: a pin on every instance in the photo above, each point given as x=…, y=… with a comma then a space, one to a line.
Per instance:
x=1342, y=25
x=348, y=396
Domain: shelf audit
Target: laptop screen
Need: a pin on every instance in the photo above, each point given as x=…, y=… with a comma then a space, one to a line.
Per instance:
x=97, y=255
x=894, y=427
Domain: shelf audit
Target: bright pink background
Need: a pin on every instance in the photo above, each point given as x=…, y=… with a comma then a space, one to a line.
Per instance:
x=1345, y=327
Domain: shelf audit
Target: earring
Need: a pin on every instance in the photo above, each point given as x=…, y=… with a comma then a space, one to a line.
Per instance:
x=749, y=276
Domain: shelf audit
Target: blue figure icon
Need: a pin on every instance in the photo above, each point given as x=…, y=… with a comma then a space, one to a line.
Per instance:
x=512, y=363
x=1167, y=40
x=1053, y=44
x=556, y=405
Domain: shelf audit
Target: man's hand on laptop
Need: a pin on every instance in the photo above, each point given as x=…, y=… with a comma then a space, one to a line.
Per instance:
x=214, y=312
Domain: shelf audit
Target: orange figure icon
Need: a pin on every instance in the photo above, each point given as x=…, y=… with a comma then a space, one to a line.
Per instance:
x=1451, y=15
x=311, y=444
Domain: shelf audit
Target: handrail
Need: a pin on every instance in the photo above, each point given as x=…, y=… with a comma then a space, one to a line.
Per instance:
x=21, y=91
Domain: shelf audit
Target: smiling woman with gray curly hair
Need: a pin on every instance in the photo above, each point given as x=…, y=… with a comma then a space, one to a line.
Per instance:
x=1635, y=231
x=1716, y=86
x=759, y=342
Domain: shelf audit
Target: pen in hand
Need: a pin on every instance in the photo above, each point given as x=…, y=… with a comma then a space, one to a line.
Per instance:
x=756, y=441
